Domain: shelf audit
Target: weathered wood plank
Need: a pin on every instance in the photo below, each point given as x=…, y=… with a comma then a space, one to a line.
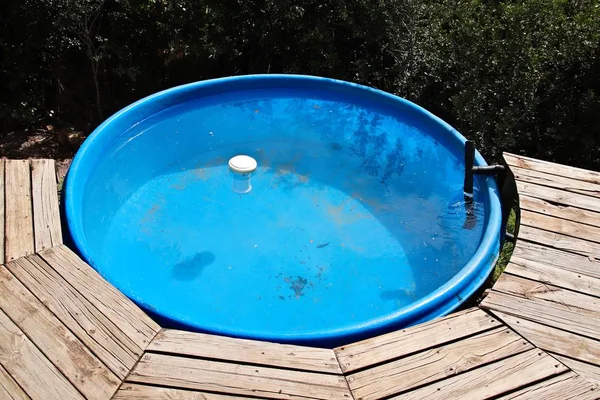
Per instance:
x=29, y=367
x=18, y=209
x=9, y=389
x=553, y=275
x=562, y=226
x=571, y=319
x=130, y=319
x=436, y=364
x=585, y=370
x=554, y=340
x=565, y=212
x=567, y=386
x=245, y=351
x=493, y=379
x=420, y=337
x=558, y=241
x=560, y=259
x=142, y=392
x=529, y=289
x=558, y=196
x=551, y=168
x=46, y=217
x=2, y=213
x=244, y=380
x=93, y=328
x=70, y=356
x=556, y=181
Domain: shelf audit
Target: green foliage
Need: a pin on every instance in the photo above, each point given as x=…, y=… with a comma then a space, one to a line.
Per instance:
x=507, y=249
x=520, y=76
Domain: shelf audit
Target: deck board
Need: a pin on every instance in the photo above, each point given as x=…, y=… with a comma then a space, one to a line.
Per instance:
x=55, y=340
x=406, y=341
x=558, y=196
x=590, y=372
x=560, y=211
x=560, y=170
x=543, y=273
x=98, y=332
x=233, y=378
x=559, y=241
x=19, y=240
x=142, y=392
x=9, y=389
x=493, y=379
x=34, y=373
x=436, y=364
x=555, y=340
x=556, y=181
x=559, y=225
x=46, y=220
x=248, y=351
x=130, y=319
x=563, y=260
x=570, y=319
x=568, y=386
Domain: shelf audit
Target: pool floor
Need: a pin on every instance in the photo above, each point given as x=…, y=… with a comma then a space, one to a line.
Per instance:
x=291, y=255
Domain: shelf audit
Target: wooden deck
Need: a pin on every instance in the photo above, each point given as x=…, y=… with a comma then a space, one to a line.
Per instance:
x=67, y=333
x=550, y=291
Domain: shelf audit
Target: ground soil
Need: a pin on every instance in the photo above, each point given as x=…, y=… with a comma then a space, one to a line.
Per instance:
x=58, y=144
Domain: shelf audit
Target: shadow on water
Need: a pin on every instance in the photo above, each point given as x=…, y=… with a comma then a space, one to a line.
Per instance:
x=191, y=268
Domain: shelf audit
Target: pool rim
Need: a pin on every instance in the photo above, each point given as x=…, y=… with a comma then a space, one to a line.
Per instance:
x=441, y=301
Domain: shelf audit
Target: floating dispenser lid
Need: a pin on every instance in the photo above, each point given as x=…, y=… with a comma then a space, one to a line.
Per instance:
x=242, y=164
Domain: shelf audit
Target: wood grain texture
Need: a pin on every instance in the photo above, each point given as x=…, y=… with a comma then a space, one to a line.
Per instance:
x=562, y=226
x=90, y=376
x=29, y=367
x=553, y=275
x=567, y=386
x=420, y=337
x=243, y=380
x=557, y=181
x=559, y=211
x=545, y=312
x=19, y=214
x=559, y=242
x=2, y=213
x=142, y=392
x=558, y=196
x=93, y=328
x=436, y=364
x=554, y=340
x=551, y=168
x=493, y=379
x=553, y=295
x=9, y=389
x=46, y=217
x=585, y=370
x=245, y=351
x=130, y=319
x=560, y=259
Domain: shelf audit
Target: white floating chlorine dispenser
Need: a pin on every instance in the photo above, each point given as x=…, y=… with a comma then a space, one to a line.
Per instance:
x=242, y=167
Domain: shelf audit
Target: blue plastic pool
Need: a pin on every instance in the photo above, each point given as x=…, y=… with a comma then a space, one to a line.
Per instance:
x=355, y=223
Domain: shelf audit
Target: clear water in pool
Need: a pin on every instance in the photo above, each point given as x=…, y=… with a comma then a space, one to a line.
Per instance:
x=354, y=214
